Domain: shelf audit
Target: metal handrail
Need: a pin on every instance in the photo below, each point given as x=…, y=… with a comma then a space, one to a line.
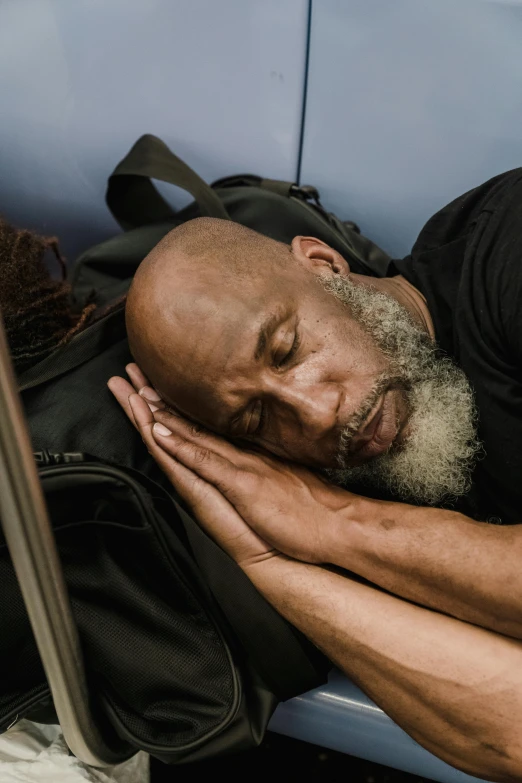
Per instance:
x=30, y=540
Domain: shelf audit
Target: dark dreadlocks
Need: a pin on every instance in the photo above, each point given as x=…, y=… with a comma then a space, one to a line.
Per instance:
x=37, y=310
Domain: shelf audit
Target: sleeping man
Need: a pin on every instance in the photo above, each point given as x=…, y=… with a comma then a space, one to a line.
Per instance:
x=353, y=443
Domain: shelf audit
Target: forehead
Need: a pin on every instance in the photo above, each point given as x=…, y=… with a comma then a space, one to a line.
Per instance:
x=209, y=335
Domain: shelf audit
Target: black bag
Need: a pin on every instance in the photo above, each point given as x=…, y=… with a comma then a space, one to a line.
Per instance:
x=184, y=657
x=165, y=668
x=281, y=210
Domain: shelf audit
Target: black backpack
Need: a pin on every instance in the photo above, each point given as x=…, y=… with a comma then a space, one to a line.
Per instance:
x=184, y=658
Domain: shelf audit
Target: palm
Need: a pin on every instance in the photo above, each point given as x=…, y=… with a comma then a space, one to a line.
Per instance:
x=211, y=508
x=254, y=505
x=287, y=504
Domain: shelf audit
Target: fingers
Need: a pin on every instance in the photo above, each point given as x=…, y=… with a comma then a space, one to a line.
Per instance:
x=204, y=478
x=143, y=417
x=197, y=458
x=122, y=391
x=139, y=414
x=173, y=421
x=177, y=424
x=143, y=387
x=137, y=378
x=214, y=512
x=144, y=422
x=200, y=457
x=199, y=436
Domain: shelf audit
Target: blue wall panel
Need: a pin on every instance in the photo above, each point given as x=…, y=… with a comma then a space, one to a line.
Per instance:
x=220, y=82
x=409, y=104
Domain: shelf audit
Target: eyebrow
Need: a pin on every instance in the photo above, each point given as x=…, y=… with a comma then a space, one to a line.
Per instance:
x=265, y=333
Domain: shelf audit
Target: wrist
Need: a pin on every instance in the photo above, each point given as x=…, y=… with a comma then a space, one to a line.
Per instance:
x=342, y=529
x=357, y=529
x=266, y=574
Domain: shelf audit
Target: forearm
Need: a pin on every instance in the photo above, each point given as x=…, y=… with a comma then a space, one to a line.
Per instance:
x=437, y=558
x=455, y=688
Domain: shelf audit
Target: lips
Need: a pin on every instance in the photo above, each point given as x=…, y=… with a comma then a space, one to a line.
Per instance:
x=367, y=431
x=378, y=433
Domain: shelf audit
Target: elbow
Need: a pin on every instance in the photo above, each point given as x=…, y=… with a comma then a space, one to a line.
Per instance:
x=494, y=762
x=508, y=768
x=492, y=753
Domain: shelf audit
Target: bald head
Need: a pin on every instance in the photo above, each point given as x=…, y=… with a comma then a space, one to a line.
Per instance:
x=225, y=245
x=198, y=274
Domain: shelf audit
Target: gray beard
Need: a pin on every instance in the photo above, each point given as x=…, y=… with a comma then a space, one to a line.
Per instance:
x=436, y=461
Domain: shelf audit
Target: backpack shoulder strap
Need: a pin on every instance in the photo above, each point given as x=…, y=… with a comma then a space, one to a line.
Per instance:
x=133, y=199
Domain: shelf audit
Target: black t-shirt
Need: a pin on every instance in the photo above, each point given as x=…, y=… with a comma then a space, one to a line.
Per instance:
x=467, y=262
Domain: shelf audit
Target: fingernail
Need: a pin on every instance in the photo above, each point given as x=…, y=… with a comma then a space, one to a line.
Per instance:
x=153, y=408
x=160, y=429
x=149, y=394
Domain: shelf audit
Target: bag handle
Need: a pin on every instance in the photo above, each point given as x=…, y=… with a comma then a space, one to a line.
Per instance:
x=134, y=201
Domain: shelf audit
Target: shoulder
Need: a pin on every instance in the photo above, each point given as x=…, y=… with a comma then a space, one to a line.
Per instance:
x=467, y=261
x=492, y=268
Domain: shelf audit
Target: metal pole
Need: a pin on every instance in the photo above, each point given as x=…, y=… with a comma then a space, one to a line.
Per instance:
x=32, y=547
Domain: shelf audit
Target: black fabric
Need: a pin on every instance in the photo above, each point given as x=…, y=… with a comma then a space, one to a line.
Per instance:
x=467, y=262
x=236, y=598
x=85, y=346
x=156, y=659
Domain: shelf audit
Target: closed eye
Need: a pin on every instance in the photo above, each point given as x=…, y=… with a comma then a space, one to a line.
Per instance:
x=281, y=363
x=287, y=358
x=259, y=414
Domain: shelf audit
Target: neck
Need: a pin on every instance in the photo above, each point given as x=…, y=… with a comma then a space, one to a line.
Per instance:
x=406, y=294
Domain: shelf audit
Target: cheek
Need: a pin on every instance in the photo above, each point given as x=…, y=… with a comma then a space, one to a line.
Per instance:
x=331, y=330
x=354, y=363
x=357, y=349
x=342, y=353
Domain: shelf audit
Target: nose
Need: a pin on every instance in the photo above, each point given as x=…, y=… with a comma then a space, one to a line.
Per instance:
x=313, y=407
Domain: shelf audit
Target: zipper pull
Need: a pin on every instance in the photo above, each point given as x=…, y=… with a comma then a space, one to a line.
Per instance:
x=45, y=457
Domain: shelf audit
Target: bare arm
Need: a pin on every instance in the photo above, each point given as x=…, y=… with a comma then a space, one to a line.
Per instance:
x=441, y=559
x=455, y=688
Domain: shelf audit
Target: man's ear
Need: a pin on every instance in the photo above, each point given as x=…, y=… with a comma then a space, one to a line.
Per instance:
x=319, y=257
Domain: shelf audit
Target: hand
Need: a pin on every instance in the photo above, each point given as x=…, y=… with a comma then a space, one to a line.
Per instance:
x=216, y=515
x=288, y=506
